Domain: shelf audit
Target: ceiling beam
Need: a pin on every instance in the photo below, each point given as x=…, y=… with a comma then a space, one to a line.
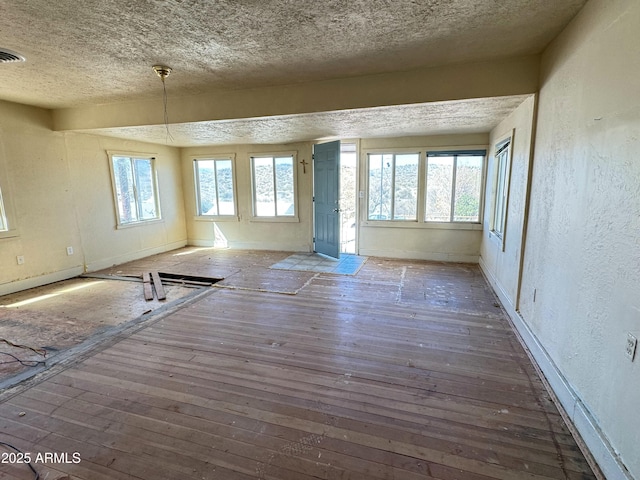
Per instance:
x=505, y=77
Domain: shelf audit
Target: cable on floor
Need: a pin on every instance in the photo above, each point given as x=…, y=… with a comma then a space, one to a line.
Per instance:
x=35, y=472
x=39, y=351
x=25, y=363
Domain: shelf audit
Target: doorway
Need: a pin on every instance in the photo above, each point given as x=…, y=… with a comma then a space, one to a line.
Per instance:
x=348, y=198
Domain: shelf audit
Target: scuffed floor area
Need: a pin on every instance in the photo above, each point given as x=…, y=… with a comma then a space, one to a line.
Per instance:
x=407, y=370
x=53, y=318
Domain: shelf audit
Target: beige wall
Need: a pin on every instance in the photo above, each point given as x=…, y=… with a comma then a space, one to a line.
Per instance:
x=501, y=260
x=414, y=240
x=103, y=244
x=582, y=255
x=59, y=190
x=244, y=231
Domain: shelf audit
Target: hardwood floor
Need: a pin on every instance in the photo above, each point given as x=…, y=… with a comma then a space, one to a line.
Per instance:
x=407, y=370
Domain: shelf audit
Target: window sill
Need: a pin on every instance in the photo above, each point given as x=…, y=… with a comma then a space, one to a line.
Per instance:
x=216, y=218
x=123, y=226
x=422, y=225
x=9, y=234
x=274, y=220
x=497, y=239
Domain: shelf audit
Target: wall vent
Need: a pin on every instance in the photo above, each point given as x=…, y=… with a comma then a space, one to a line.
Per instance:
x=8, y=56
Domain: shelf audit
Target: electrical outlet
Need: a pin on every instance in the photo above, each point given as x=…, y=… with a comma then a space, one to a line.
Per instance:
x=69, y=250
x=20, y=259
x=630, y=349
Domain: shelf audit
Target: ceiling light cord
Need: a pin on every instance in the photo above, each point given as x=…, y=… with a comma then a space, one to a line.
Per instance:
x=166, y=112
x=163, y=72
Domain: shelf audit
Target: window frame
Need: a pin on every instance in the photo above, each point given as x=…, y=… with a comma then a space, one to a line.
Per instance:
x=274, y=218
x=196, y=178
x=7, y=212
x=4, y=223
x=502, y=176
x=394, y=153
x=420, y=223
x=455, y=153
x=154, y=180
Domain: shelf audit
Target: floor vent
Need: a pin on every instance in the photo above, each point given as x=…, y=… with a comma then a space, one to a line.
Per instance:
x=7, y=56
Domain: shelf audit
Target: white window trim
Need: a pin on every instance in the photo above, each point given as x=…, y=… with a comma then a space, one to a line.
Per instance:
x=4, y=225
x=215, y=218
x=282, y=218
x=141, y=155
x=459, y=152
x=394, y=152
x=422, y=172
x=423, y=225
x=500, y=237
x=6, y=208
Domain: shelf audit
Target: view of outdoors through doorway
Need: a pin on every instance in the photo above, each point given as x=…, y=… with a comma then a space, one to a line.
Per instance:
x=348, y=197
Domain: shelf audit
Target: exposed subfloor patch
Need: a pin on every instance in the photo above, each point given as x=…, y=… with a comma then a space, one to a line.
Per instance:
x=262, y=279
x=347, y=264
x=53, y=318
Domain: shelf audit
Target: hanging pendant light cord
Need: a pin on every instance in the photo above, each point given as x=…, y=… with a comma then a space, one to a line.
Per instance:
x=166, y=111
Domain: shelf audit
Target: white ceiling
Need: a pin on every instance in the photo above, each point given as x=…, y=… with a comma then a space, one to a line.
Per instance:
x=93, y=52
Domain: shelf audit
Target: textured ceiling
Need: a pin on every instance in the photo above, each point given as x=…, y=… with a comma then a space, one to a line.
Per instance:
x=436, y=118
x=93, y=52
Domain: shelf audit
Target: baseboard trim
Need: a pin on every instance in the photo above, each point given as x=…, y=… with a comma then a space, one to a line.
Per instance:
x=207, y=244
x=597, y=449
x=110, y=262
x=414, y=255
x=40, y=280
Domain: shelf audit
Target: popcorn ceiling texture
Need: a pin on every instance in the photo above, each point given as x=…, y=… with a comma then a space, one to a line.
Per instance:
x=92, y=52
x=439, y=118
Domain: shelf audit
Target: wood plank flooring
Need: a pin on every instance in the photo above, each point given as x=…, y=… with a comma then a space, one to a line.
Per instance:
x=407, y=370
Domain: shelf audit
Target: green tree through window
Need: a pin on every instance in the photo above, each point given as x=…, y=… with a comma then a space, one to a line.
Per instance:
x=393, y=186
x=454, y=186
x=273, y=186
x=214, y=187
x=135, y=189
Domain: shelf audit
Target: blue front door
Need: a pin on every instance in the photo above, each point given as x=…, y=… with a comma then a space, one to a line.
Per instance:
x=326, y=193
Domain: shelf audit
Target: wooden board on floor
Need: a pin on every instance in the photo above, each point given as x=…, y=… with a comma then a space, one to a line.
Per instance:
x=157, y=284
x=146, y=286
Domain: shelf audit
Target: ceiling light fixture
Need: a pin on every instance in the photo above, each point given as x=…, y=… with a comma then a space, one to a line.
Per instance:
x=8, y=56
x=163, y=72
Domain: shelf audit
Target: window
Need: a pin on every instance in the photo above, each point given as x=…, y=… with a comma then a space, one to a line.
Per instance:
x=393, y=186
x=4, y=225
x=273, y=180
x=502, y=188
x=454, y=186
x=135, y=191
x=214, y=187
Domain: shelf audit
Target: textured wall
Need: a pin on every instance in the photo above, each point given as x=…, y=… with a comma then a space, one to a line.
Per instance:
x=583, y=246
